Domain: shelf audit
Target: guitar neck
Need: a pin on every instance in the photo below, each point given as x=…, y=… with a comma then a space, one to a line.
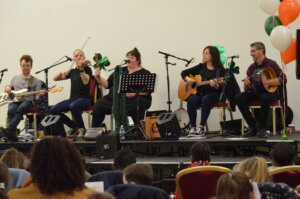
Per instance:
x=203, y=83
x=26, y=94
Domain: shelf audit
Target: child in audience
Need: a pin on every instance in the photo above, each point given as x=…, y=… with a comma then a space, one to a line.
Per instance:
x=56, y=170
x=238, y=185
x=200, y=154
x=255, y=167
x=13, y=158
x=138, y=174
x=282, y=154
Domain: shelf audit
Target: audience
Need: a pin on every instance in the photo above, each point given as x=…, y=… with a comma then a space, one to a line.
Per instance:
x=282, y=154
x=4, y=180
x=122, y=159
x=200, y=154
x=138, y=174
x=255, y=168
x=237, y=185
x=13, y=159
x=103, y=195
x=56, y=170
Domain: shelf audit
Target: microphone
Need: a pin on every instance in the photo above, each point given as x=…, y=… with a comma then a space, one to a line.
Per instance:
x=4, y=70
x=69, y=58
x=126, y=61
x=234, y=56
x=189, y=61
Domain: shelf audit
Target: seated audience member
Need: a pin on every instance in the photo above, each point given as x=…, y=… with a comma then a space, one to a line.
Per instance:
x=200, y=154
x=4, y=180
x=137, y=191
x=103, y=195
x=255, y=168
x=138, y=174
x=56, y=170
x=122, y=159
x=13, y=159
x=237, y=185
x=282, y=154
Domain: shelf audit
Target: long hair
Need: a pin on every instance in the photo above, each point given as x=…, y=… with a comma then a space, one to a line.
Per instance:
x=56, y=166
x=215, y=56
x=13, y=158
x=234, y=185
x=255, y=167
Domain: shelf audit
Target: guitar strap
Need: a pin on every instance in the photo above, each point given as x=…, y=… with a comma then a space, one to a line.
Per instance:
x=30, y=83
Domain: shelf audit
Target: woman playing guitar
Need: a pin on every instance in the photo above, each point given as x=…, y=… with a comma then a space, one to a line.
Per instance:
x=206, y=95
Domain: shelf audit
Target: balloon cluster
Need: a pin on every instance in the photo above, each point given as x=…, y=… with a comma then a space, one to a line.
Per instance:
x=276, y=26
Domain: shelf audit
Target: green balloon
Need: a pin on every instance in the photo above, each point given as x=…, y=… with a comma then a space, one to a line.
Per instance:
x=271, y=23
x=220, y=48
x=223, y=58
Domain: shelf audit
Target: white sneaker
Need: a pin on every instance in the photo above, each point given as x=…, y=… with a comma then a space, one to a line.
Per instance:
x=81, y=132
x=193, y=132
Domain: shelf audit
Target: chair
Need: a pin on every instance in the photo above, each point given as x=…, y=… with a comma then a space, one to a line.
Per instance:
x=34, y=112
x=200, y=181
x=289, y=175
x=219, y=106
x=275, y=105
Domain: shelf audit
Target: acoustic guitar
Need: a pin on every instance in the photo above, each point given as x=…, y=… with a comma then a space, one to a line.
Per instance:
x=185, y=89
x=18, y=95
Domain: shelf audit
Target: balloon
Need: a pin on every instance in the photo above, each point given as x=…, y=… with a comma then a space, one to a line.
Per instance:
x=220, y=48
x=289, y=54
x=288, y=11
x=271, y=23
x=281, y=37
x=268, y=6
x=223, y=58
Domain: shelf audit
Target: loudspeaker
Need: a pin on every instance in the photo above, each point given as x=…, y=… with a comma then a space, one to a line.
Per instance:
x=298, y=55
x=168, y=126
x=53, y=125
x=107, y=145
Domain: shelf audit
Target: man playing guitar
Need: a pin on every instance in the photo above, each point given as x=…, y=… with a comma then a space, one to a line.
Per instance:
x=252, y=92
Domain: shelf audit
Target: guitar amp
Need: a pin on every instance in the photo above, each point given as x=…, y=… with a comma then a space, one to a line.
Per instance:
x=168, y=126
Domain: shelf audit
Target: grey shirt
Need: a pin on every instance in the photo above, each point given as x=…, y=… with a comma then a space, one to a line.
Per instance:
x=19, y=82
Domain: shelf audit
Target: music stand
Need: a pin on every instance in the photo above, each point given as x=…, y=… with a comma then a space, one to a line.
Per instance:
x=137, y=83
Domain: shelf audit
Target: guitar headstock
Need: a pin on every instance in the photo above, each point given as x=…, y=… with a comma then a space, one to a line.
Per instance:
x=54, y=90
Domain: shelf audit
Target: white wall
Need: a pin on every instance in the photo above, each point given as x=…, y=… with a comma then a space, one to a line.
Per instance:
x=48, y=30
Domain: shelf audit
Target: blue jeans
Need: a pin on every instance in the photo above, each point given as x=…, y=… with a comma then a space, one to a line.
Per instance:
x=15, y=113
x=206, y=101
x=76, y=106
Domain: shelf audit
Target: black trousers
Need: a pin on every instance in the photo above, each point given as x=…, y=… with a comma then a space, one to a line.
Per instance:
x=243, y=99
x=104, y=107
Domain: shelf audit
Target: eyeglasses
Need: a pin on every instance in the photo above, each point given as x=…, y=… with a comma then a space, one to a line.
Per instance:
x=252, y=51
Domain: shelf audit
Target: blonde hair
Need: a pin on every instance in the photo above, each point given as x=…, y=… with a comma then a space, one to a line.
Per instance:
x=13, y=159
x=256, y=168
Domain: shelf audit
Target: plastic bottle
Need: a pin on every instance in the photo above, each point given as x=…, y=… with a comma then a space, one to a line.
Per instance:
x=121, y=132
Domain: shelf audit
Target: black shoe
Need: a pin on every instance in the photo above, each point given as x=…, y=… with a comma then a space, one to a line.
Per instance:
x=11, y=135
x=262, y=133
x=251, y=131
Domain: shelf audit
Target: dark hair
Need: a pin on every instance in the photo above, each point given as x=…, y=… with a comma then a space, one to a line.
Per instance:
x=200, y=151
x=123, y=158
x=56, y=166
x=4, y=174
x=215, y=56
x=103, y=195
x=283, y=154
x=139, y=174
x=27, y=58
x=259, y=46
x=234, y=185
x=13, y=158
x=135, y=52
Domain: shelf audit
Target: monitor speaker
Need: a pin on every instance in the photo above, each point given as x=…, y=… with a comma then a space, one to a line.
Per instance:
x=107, y=145
x=53, y=125
x=168, y=126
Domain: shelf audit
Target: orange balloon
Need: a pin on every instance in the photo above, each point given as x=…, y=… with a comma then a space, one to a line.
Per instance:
x=289, y=54
x=288, y=11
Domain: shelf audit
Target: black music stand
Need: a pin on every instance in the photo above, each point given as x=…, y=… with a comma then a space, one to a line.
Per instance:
x=137, y=83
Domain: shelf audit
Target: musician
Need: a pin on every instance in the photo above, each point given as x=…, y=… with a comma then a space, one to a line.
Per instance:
x=79, y=97
x=17, y=109
x=258, y=53
x=104, y=105
x=210, y=69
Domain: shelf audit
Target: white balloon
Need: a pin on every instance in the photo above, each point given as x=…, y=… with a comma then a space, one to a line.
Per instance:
x=281, y=37
x=269, y=6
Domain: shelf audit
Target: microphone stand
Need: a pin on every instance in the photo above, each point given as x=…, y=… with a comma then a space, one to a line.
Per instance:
x=2, y=73
x=167, y=63
x=46, y=70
